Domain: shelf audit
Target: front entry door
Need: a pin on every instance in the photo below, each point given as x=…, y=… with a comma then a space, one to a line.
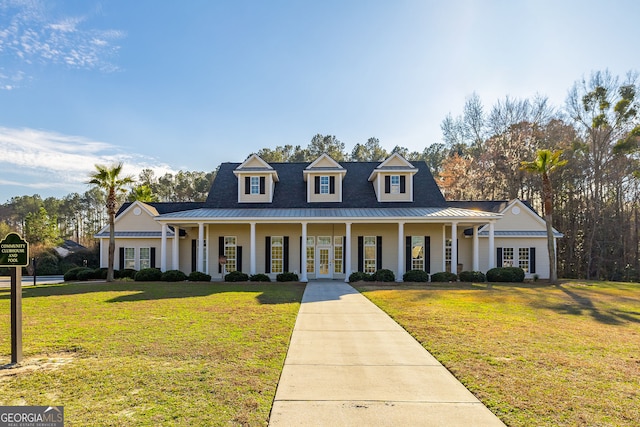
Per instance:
x=324, y=267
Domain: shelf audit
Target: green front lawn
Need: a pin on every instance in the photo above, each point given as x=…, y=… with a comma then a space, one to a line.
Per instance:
x=149, y=354
x=152, y=354
x=535, y=355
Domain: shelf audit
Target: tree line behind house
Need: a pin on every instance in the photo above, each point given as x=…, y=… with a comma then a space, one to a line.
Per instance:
x=596, y=194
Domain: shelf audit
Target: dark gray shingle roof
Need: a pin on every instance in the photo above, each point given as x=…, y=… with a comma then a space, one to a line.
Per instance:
x=290, y=192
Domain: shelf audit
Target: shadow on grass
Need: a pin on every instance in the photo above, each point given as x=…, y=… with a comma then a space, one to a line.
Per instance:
x=269, y=293
x=455, y=286
x=583, y=304
x=580, y=302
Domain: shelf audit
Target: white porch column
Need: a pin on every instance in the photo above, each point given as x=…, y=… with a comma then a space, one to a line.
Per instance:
x=454, y=247
x=175, y=250
x=347, y=251
x=492, y=249
x=476, y=249
x=303, y=252
x=252, y=250
x=400, y=252
x=208, y=248
x=444, y=248
x=163, y=248
x=200, y=246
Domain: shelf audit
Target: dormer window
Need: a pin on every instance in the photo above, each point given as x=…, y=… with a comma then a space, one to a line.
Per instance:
x=324, y=180
x=393, y=179
x=254, y=185
x=395, y=184
x=256, y=181
x=325, y=184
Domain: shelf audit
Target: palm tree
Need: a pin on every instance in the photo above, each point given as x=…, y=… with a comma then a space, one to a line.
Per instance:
x=545, y=163
x=142, y=193
x=109, y=180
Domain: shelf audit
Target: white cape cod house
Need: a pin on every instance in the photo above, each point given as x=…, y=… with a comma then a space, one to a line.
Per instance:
x=325, y=220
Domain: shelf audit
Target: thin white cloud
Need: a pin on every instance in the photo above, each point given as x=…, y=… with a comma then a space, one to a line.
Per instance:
x=38, y=159
x=29, y=35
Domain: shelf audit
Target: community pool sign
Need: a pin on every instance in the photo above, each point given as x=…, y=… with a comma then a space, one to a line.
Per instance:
x=14, y=251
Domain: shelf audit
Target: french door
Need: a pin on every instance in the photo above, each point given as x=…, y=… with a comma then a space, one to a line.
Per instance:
x=324, y=263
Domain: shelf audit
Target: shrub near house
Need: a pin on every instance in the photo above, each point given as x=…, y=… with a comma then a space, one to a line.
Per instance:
x=505, y=274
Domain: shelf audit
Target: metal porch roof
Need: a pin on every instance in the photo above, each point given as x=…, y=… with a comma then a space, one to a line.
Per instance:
x=143, y=234
x=509, y=233
x=448, y=213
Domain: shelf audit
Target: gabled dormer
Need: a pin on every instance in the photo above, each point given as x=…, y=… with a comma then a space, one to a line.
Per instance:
x=256, y=181
x=393, y=179
x=324, y=180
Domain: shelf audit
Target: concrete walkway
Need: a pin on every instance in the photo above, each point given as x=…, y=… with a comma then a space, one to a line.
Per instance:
x=350, y=364
x=5, y=281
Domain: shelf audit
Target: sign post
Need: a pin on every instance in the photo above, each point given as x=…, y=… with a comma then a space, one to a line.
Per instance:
x=14, y=253
x=223, y=262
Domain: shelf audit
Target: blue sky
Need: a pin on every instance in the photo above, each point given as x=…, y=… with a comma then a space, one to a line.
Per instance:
x=187, y=85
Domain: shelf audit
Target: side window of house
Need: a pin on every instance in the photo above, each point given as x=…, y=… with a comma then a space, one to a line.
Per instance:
x=370, y=254
x=507, y=257
x=129, y=258
x=277, y=254
x=145, y=258
x=523, y=259
x=230, y=251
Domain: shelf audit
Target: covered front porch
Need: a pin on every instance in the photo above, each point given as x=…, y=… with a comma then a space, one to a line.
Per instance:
x=319, y=244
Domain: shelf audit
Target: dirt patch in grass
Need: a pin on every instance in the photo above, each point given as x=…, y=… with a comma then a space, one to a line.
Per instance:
x=535, y=355
x=42, y=362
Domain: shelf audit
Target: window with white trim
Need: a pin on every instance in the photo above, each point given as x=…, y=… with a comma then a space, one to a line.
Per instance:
x=395, y=184
x=417, y=252
x=447, y=255
x=324, y=240
x=145, y=258
x=324, y=185
x=507, y=257
x=231, y=252
x=370, y=251
x=277, y=254
x=523, y=259
x=129, y=258
x=311, y=252
x=337, y=254
x=255, y=185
